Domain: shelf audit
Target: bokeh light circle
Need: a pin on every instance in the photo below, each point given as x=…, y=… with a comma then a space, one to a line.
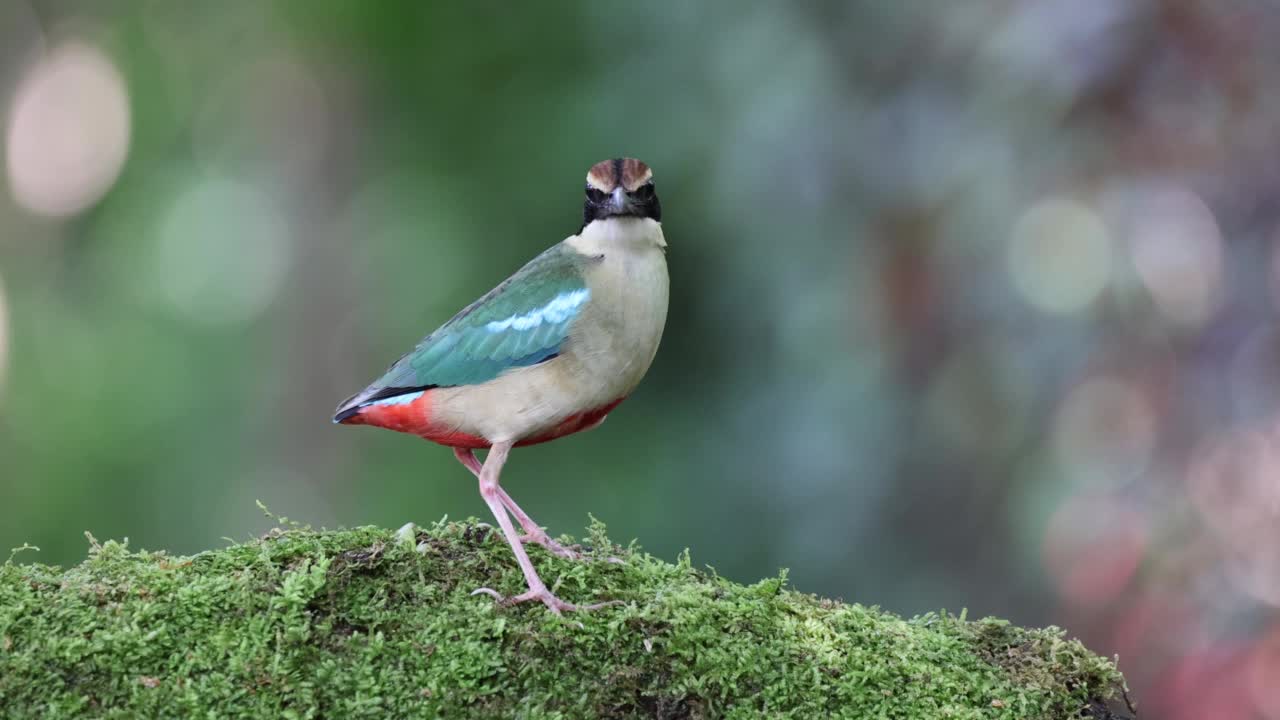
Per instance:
x=1232, y=483
x=1093, y=545
x=1177, y=252
x=223, y=252
x=1104, y=432
x=1059, y=255
x=68, y=131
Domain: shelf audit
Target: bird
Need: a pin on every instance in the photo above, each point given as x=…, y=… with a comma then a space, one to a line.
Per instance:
x=548, y=352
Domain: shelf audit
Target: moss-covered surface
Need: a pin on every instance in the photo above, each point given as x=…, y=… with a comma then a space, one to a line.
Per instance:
x=373, y=623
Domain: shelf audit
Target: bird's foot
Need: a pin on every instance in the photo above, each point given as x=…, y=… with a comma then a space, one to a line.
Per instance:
x=542, y=538
x=553, y=603
x=555, y=548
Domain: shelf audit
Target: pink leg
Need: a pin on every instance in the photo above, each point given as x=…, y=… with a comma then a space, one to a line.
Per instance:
x=490, y=491
x=532, y=531
x=467, y=457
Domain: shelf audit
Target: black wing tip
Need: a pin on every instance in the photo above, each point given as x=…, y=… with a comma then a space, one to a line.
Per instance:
x=345, y=414
x=348, y=408
x=354, y=404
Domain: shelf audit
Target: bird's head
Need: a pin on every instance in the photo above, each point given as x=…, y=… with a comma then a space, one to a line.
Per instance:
x=621, y=187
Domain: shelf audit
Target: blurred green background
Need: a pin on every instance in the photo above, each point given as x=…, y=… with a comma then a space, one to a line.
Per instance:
x=973, y=304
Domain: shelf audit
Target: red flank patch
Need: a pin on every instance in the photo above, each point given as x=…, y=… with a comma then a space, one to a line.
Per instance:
x=414, y=418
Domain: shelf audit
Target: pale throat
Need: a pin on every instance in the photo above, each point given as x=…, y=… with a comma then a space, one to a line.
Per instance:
x=626, y=233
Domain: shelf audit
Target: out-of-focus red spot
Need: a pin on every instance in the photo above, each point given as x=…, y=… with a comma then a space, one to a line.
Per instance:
x=1264, y=675
x=1092, y=548
x=1208, y=685
x=1155, y=625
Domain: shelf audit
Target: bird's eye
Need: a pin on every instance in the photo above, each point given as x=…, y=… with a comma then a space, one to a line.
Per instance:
x=644, y=192
x=595, y=195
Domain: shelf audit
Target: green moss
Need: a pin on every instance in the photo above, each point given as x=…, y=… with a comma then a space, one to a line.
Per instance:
x=371, y=623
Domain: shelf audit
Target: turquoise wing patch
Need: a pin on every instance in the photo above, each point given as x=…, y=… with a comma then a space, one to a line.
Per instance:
x=524, y=321
x=522, y=333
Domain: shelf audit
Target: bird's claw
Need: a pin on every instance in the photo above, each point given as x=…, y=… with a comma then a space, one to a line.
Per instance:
x=543, y=595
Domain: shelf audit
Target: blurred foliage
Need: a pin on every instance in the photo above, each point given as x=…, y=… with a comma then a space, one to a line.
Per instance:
x=973, y=305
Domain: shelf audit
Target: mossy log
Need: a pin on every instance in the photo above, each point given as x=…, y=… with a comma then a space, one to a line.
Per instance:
x=380, y=624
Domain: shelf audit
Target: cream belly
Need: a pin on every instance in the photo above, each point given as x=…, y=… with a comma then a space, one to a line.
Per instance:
x=609, y=349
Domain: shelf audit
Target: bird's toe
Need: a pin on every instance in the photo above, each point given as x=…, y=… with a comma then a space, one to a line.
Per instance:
x=551, y=545
x=544, y=596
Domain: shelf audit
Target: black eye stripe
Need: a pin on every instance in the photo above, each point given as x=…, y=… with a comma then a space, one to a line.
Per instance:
x=642, y=203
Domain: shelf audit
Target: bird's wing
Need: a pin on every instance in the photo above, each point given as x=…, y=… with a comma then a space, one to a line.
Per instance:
x=523, y=321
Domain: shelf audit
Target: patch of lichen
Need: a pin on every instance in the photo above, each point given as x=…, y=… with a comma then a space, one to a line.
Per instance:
x=371, y=623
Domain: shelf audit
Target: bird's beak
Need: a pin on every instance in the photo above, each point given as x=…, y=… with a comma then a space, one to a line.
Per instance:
x=618, y=201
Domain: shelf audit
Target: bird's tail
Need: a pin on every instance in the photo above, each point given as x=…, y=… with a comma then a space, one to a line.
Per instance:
x=351, y=409
x=348, y=411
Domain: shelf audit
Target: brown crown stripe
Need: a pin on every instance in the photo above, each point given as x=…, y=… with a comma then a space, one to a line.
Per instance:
x=607, y=174
x=634, y=174
x=600, y=176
